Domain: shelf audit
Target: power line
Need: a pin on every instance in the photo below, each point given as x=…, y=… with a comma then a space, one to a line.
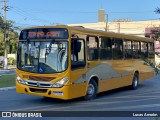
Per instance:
x=130, y=12
x=28, y=16
x=82, y=11
x=59, y=11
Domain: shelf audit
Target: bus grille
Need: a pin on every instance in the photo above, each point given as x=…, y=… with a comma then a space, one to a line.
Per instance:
x=38, y=84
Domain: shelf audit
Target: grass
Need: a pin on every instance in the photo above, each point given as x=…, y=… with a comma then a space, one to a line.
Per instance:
x=7, y=80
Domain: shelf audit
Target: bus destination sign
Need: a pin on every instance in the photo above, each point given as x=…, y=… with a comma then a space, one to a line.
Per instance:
x=44, y=33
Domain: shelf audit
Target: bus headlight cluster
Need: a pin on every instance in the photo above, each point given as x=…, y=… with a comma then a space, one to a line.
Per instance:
x=20, y=80
x=60, y=83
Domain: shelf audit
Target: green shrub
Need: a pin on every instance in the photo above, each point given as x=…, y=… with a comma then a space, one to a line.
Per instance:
x=11, y=61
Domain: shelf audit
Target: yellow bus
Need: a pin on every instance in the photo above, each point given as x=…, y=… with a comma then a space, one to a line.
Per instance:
x=67, y=62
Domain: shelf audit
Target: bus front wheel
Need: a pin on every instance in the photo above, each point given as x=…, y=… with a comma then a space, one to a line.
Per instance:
x=91, y=90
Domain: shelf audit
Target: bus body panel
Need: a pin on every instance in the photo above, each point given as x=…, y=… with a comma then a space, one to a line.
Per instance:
x=77, y=90
x=55, y=93
x=113, y=83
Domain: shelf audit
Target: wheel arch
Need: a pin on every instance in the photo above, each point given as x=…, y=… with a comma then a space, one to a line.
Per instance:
x=93, y=81
x=136, y=72
x=95, y=78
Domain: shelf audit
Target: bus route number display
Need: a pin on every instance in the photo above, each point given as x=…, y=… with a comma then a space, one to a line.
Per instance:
x=44, y=34
x=51, y=34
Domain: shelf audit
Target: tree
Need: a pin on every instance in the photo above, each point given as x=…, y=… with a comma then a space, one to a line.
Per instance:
x=1, y=36
x=157, y=10
x=12, y=36
x=154, y=33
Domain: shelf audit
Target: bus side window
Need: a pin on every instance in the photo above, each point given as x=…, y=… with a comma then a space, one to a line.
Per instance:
x=105, y=45
x=128, y=49
x=151, y=50
x=136, y=49
x=73, y=50
x=92, y=48
x=117, y=48
x=144, y=49
x=77, y=53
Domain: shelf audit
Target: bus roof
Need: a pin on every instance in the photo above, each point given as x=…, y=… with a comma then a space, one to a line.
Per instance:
x=87, y=31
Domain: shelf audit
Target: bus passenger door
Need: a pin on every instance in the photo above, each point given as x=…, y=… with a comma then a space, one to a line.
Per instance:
x=78, y=68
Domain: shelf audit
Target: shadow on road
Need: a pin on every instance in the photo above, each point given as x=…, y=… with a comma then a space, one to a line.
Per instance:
x=99, y=96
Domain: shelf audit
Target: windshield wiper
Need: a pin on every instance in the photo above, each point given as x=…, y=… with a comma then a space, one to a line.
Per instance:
x=48, y=49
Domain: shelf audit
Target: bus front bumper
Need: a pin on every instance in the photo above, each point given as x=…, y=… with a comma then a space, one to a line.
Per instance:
x=60, y=93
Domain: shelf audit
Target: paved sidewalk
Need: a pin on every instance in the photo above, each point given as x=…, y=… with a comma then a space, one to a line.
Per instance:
x=7, y=88
x=9, y=71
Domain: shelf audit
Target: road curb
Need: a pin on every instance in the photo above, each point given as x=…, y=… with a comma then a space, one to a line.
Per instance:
x=7, y=88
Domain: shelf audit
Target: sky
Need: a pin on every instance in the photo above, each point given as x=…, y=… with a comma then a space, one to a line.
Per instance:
x=50, y=12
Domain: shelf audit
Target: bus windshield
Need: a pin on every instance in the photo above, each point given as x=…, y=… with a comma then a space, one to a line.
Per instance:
x=43, y=57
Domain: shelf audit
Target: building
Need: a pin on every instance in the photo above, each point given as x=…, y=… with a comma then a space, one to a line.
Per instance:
x=132, y=28
x=121, y=26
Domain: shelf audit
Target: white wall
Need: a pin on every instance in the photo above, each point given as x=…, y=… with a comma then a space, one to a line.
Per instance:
x=12, y=55
x=132, y=28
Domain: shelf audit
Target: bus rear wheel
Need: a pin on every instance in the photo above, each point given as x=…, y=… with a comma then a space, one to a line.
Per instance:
x=91, y=90
x=135, y=81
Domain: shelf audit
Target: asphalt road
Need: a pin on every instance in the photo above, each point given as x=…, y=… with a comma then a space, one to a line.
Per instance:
x=145, y=98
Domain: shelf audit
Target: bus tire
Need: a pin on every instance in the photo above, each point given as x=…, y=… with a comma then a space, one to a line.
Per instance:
x=91, y=90
x=135, y=81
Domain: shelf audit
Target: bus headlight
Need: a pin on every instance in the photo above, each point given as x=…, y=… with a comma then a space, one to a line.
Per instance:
x=60, y=83
x=20, y=80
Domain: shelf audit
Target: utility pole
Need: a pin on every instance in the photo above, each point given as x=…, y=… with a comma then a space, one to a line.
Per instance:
x=106, y=29
x=5, y=8
x=118, y=27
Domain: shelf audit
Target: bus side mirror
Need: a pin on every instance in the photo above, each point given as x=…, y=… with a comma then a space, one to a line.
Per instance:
x=77, y=47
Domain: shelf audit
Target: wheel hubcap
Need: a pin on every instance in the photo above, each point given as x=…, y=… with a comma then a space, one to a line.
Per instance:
x=135, y=82
x=90, y=89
